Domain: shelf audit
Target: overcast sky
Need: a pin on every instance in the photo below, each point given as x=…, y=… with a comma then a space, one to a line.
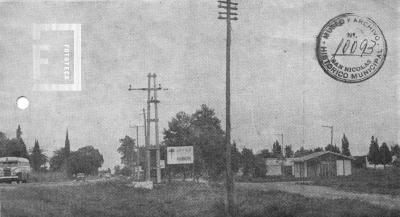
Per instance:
x=273, y=66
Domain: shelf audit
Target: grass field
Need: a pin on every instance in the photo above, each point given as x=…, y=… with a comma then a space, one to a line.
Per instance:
x=47, y=177
x=368, y=181
x=115, y=199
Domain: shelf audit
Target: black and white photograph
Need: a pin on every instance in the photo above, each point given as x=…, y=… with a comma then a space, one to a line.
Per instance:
x=199, y=108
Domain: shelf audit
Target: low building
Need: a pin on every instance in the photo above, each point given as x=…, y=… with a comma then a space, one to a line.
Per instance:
x=279, y=166
x=274, y=166
x=322, y=164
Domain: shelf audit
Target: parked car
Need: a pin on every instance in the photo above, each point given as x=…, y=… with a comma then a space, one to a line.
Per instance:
x=80, y=177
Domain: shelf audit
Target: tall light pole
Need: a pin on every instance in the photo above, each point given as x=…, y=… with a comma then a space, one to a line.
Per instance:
x=304, y=117
x=331, y=127
x=228, y=6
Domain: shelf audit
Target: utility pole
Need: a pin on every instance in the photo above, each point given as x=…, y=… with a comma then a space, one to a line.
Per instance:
x=304, y=118
x=137, y=163
x=148, y=120
x=137, y=142
x=156, y=129
x=331, y=127
x=228, y=6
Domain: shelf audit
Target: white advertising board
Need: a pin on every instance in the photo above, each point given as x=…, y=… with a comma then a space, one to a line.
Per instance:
x=180, y=155
x=162, y=164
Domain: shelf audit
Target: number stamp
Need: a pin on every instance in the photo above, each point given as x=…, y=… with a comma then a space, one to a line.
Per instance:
x=351, y=48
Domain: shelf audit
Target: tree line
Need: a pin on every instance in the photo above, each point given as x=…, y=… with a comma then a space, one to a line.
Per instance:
x=203, y=131
x=381, y=154
x=84, y=160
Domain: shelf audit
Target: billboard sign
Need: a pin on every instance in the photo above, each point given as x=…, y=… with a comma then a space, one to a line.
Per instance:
x=180, y=155
x=162, y=164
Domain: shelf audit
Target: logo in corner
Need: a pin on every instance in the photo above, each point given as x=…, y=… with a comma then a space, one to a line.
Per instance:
x=351, y=48
x=57, y=57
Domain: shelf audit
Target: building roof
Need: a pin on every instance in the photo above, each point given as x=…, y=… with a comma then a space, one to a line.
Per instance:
x=279, y=161
x=20, y=159
x=273, y=161
x=317, y=154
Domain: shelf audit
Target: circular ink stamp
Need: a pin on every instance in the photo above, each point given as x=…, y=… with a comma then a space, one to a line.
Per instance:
x=351, y=48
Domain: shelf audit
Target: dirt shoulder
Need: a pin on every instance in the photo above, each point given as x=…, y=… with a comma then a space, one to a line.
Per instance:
x=382, y=200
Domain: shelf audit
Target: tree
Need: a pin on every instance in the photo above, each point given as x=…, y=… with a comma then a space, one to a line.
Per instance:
x=260, y=168
x=373, y=154
x=15, y=147
x=86, y=160
x=288, y=151
x=332, y=148
x=37, y=158
x=3, y=142
x=249, y=162
x=277, y=149
x=264, y=153
x=385, y=156
x=67, y=147
x=19, y=132
x=57, y=160
x=236, y=158
x=117, y=170
x=345, y=146
x=209, y=140
x=395, y=150
x=302, y=152
x=126, y=150
x=318, y=149
x=67, y=150
x=180, y=133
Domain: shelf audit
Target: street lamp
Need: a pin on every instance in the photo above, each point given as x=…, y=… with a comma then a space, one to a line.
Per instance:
x=331, y=127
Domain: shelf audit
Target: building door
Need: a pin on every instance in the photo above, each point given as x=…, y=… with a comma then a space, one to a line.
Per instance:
x=324, y=169
x=339, y=168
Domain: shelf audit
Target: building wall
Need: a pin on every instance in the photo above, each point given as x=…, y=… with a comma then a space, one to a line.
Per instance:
x=326, y=166
x=298, y=169
x=343, y=167
x=347, y=166
x=274, y=170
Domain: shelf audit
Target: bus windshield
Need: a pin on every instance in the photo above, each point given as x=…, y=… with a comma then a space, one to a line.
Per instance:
x=8, y=164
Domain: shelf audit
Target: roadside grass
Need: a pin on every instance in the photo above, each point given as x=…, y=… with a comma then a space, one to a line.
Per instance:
x=47, y=177
x=385, y=181
x=115, y=199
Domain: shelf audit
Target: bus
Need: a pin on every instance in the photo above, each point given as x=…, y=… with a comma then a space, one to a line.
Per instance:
x=14, y=169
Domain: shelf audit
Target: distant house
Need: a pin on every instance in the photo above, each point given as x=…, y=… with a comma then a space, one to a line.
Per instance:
x=279, y=166
x=322, y=164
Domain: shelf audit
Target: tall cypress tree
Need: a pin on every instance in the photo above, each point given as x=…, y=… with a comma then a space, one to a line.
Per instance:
x=373, y=154
x=385, y=156
x=17, y=147
x=37, y=158
x=345, y=146
x=19, y=132
x=67, y=150
x=67, y=147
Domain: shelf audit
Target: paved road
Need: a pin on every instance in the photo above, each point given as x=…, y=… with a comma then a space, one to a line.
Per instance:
x=325, y=192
